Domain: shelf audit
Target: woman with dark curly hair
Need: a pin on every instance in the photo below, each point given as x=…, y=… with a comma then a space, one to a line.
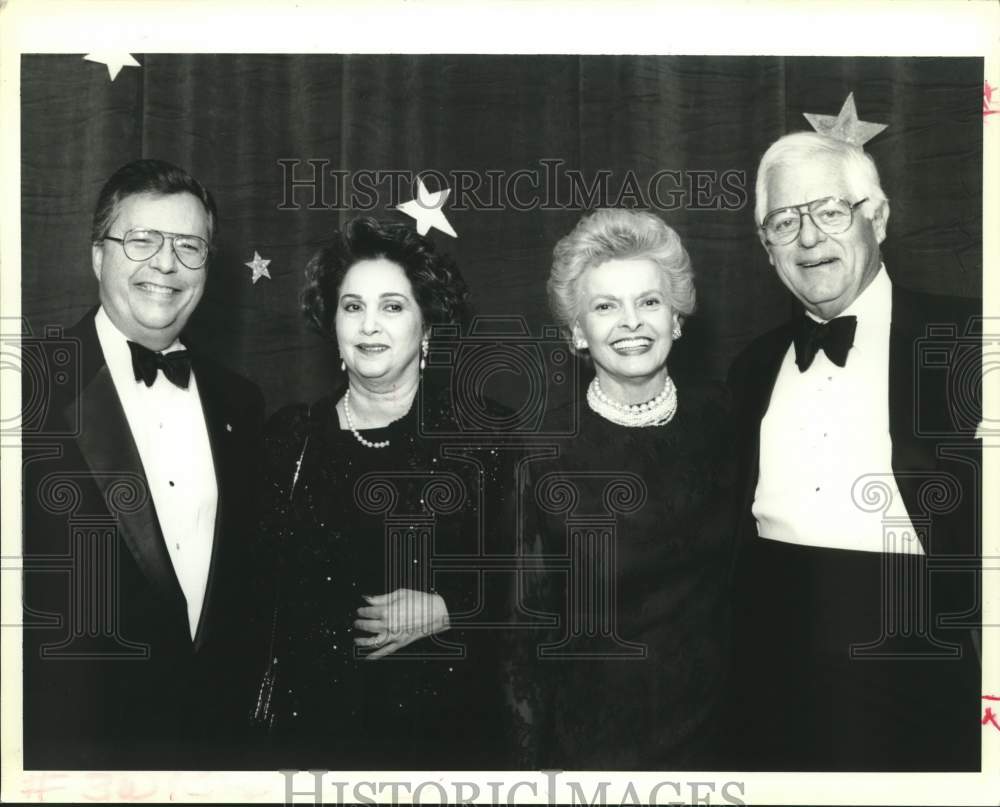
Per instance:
x=371, y=667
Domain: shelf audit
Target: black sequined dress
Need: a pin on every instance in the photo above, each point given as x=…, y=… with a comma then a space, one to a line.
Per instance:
x=346, y=520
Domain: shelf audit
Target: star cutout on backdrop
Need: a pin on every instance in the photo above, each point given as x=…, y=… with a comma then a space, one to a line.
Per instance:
x=113, y=60
x=259, y=267
x=845, y=126
x=427, y=210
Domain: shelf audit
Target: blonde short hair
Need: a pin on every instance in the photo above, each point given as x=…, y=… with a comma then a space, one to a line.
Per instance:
x=615, y=234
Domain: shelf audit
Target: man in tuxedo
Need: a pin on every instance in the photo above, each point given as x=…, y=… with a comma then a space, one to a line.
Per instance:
x=140, y=637
x=856, y=597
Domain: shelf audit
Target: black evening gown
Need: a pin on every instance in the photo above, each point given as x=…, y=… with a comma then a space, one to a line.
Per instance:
x=628, y=545
x=346, y=520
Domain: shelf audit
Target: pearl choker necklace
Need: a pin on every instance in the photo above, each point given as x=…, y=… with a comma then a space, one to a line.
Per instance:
x=656, y=412
x=350, y=425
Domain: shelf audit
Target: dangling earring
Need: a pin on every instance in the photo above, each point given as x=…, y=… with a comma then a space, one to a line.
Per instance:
x=343, y=367
x=677, y=330
x=424, y=347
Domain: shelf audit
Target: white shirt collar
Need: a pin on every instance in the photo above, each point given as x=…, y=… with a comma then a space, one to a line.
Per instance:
x=875, y=301
x=873, y=304
x=114, y=341
x=114, y=345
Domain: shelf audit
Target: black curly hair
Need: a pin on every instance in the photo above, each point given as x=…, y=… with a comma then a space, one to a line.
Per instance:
x=438, y=286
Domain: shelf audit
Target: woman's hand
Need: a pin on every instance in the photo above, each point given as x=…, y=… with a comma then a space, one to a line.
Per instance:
x=400, y=618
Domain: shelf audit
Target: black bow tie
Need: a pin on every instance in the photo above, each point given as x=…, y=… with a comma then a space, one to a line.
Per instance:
x=176, y=365
x=835, y=338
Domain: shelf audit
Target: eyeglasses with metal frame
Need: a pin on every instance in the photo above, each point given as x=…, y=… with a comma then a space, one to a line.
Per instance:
x=142, y=243
x=831, y=215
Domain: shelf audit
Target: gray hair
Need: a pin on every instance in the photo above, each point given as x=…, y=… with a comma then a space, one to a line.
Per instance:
x=614, y=234
x=859, y=168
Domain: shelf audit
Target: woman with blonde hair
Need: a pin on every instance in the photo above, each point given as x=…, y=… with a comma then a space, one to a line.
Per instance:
x=625, y=537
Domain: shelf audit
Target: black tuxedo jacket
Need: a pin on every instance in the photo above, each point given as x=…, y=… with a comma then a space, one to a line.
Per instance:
x=112, y=677
x=935, y=355
x=935, y=406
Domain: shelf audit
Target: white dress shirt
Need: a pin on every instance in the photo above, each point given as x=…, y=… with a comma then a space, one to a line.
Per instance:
x=825, y=451
x=168, y=426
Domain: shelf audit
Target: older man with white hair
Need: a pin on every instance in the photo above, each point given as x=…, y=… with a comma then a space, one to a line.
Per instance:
x=857, y=578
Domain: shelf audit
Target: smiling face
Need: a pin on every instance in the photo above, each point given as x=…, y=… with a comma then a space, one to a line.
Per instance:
x=626, y=320
x=825, y=272
x=379, y=324
x=151, y=301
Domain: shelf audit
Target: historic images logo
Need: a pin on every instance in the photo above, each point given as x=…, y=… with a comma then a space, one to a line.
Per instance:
x=314, y=185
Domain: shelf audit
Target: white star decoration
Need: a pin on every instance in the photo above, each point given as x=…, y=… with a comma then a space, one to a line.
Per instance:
x=845, y=126
x=259, y=267
x=426, y=209
x=113, y=60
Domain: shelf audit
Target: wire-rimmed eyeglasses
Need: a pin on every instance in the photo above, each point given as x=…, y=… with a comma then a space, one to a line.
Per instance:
x=141, y=244
x=831, y=215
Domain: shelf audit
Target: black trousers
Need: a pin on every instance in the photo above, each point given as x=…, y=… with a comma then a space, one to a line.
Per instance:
x=839, y=665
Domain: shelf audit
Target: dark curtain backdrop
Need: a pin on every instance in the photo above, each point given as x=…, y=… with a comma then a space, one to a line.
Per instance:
x=229, y=119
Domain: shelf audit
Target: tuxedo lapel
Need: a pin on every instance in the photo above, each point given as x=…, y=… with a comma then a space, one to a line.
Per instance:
x=912, y=458
x=768, y=368
x=759, y=376
x=106, y=444
x=218, y=423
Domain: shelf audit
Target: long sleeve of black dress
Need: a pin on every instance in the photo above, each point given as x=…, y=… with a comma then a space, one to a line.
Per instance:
x=363, y=521
x=626, y=553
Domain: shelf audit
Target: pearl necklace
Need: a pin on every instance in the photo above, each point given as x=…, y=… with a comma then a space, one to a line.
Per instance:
x=350, y=425
x=656, y=412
